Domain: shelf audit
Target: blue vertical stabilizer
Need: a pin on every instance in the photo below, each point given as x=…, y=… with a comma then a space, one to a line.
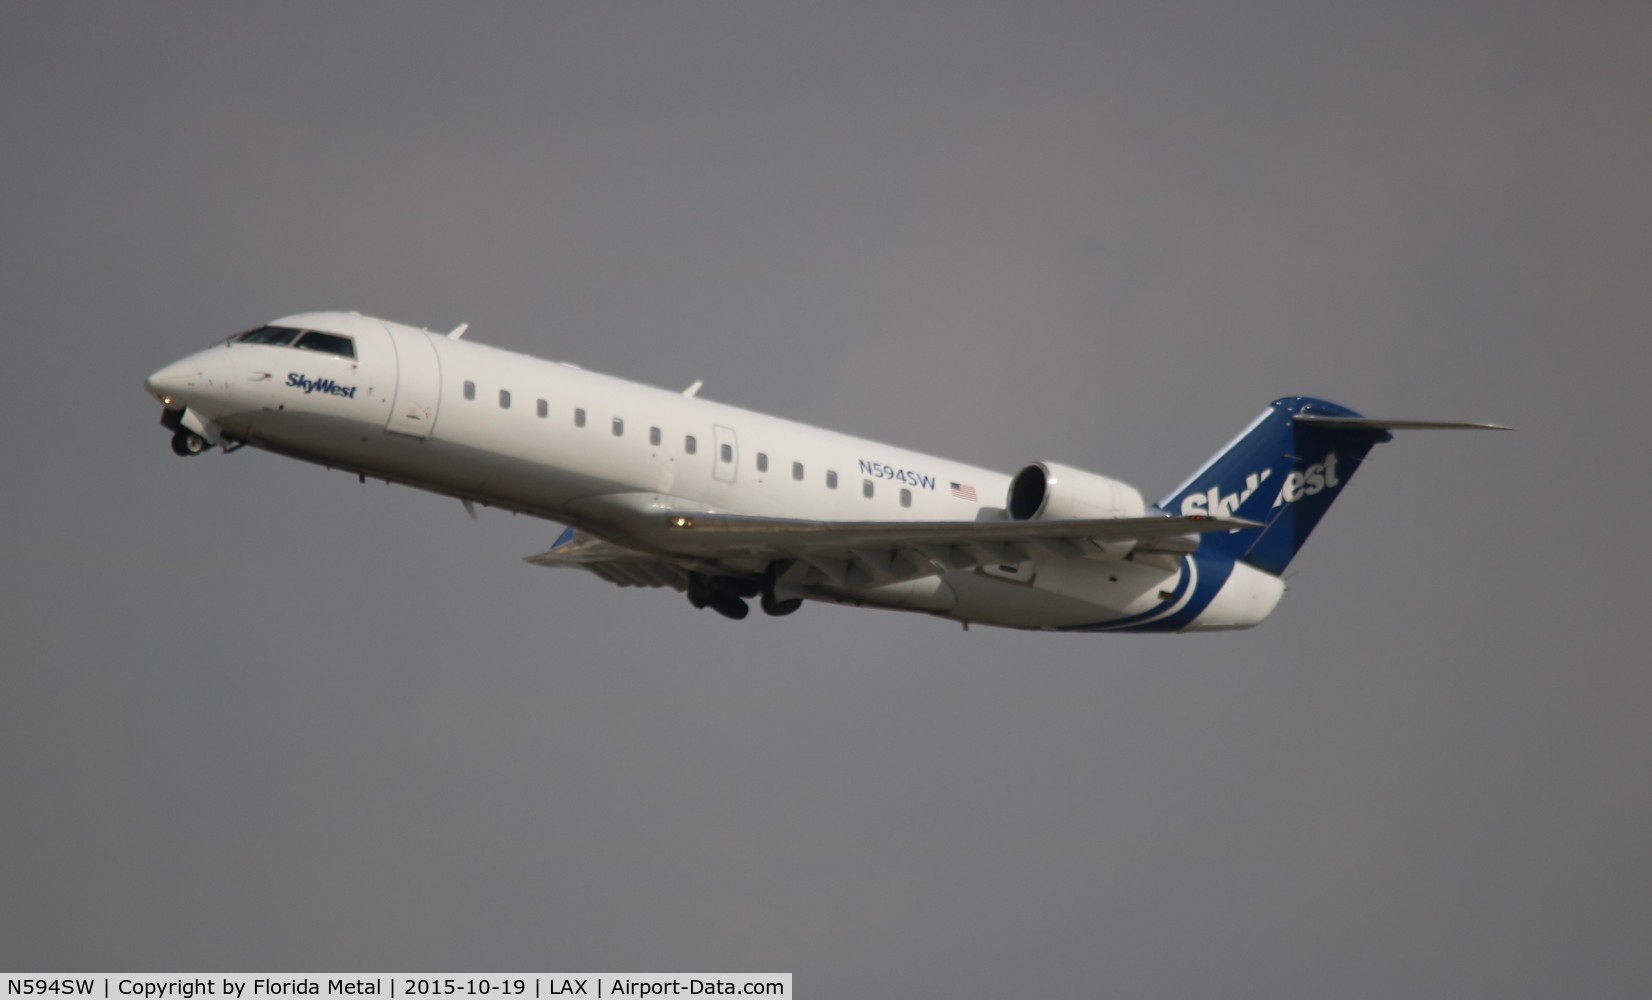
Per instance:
x=1282, y=471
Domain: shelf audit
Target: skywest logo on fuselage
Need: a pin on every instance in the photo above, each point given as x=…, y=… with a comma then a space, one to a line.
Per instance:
x=326, y=385
x=1314, y=479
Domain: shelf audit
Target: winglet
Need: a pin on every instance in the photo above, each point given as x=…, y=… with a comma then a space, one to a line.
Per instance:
x=458, y=331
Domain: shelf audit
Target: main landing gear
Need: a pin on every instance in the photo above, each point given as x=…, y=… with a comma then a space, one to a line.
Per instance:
x=727, y=595
x=722, y=594
x=766, y=597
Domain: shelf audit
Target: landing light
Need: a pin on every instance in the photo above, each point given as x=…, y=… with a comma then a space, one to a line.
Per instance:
x=166, y=400
x=682, y=522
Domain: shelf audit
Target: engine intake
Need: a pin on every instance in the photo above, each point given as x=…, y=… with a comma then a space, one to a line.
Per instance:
x=1045, y=491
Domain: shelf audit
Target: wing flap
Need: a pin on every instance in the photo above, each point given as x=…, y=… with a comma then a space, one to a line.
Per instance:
x=615, y=563
x=998, y=541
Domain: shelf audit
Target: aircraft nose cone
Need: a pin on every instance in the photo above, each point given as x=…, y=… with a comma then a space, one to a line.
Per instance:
x=174, y=377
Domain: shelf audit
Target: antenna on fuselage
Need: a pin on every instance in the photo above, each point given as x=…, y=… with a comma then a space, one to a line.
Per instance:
x=458, y=331
x=694, y=390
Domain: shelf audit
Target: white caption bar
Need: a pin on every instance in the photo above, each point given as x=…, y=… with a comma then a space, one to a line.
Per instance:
x=395, y=986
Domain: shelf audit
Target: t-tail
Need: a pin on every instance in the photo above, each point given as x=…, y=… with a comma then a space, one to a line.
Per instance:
x=1284, y=471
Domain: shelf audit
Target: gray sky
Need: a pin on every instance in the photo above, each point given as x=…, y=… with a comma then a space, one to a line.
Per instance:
x=256, y=716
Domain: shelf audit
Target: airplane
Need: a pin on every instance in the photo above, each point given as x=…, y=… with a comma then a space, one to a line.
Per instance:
x=659, y=488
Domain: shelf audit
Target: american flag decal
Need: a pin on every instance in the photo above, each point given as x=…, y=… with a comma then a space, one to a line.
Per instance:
x=964, y=491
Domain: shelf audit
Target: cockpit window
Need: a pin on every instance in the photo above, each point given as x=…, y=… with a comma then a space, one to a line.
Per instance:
x=269, y=335
x=327, y=343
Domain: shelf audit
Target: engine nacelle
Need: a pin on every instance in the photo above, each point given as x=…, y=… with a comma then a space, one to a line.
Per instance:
x=1045, y=491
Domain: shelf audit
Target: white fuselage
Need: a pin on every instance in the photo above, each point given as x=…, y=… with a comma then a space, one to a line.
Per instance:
x=606, y=455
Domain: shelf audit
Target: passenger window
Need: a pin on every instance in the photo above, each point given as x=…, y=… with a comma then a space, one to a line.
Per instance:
x=906, y=498
x=504, y=399
x=690, y=445
x=579, y=418
x=470, y=390
x=653, y=435
x=327, y=343
x=619, y=427
x=797, y=471
x=866, y=488
x=544, y=408
x=762, y=462
x=727, y=452
x=831, y=480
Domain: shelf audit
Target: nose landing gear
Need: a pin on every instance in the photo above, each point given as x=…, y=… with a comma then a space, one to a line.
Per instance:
x=187, y=442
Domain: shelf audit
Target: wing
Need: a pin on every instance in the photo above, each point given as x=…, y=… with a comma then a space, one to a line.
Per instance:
x=614, y=563
x=869, y=553
x=743, y=532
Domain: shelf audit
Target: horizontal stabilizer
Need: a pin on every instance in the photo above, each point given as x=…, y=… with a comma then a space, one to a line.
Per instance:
x=1377, y=424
